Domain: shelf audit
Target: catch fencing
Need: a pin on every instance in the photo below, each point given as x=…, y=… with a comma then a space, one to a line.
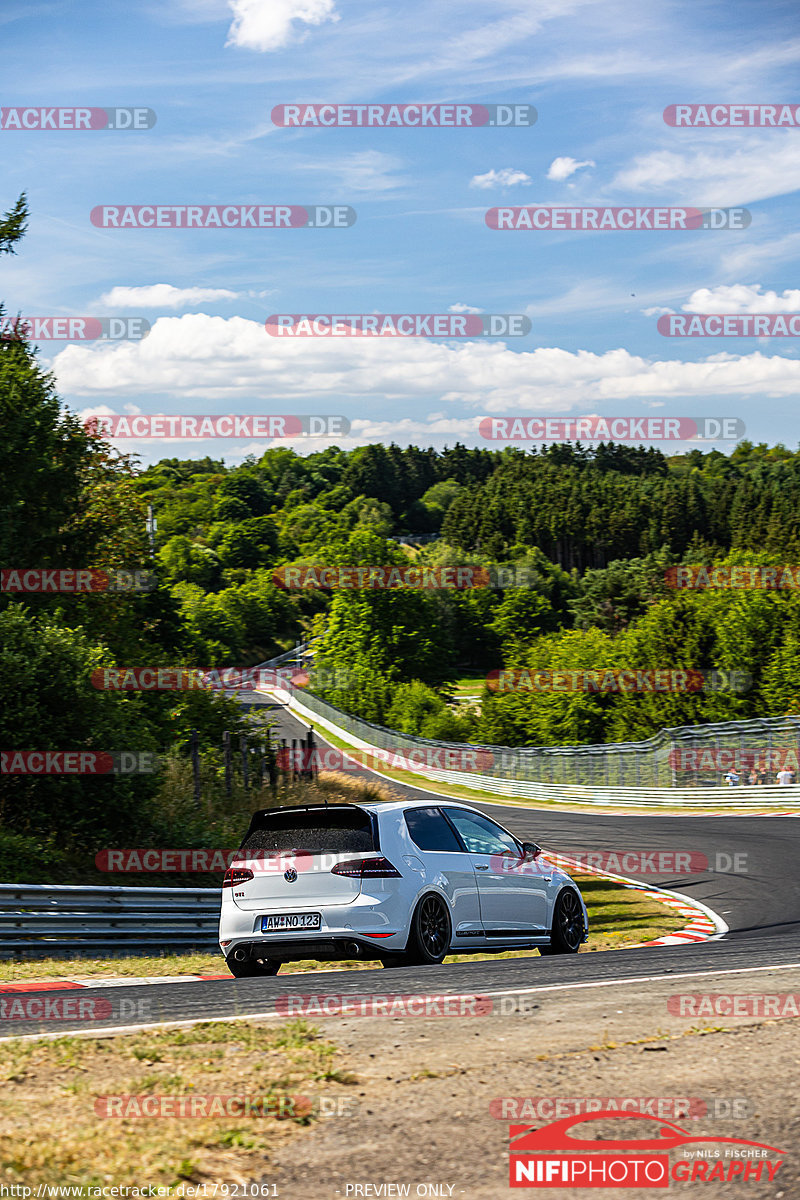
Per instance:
x=685, y=766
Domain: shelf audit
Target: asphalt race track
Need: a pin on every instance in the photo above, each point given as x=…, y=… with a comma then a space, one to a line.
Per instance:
x=760, y=903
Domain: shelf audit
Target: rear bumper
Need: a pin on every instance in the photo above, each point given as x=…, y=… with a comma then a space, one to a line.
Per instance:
x=341, y=925
x=320, y=947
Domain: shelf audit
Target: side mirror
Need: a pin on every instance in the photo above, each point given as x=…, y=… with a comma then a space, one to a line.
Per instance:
x=531, y=850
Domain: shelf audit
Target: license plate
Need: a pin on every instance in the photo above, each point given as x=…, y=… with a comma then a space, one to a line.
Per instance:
x=291, y=921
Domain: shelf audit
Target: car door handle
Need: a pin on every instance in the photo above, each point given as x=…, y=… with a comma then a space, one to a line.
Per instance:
x=481, y=866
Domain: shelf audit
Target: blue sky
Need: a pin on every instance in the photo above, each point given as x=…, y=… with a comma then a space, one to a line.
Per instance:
x=600, y=74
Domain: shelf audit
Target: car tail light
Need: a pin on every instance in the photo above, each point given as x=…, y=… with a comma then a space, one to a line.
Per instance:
x=363, y=868
x=236, y=875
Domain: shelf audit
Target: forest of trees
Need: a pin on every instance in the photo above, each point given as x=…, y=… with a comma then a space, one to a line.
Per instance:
x=595, y=532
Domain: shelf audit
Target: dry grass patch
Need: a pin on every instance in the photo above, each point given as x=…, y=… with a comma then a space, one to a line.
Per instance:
x=51, y=1133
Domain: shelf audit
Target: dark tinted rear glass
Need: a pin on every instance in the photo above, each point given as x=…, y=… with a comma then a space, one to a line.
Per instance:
x=429, y=830
x=334, y=830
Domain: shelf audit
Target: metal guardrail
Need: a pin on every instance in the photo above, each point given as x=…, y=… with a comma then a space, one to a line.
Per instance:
x=46, y=921
x=297, y=654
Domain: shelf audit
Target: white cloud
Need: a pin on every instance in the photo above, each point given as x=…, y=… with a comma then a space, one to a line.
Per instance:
x=162, y=295
x=210, y=357
x=754, y=257
x=657, y=312
x=269, y=24
x=742, y=298
x=561, y=168
x=505, y=177
x=593, y=297
x=464, y=308
x=194, y=11
x=362, y=171
x=454, y=428
x=723, y=176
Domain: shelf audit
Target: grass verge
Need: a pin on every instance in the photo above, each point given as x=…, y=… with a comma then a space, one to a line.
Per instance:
x=50, y=1131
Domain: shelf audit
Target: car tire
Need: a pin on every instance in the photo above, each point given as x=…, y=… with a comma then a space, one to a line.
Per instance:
x=252, y=966
x=568, y=930
x=429, y=936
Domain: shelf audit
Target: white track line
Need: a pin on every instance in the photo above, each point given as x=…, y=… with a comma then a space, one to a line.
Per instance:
x=187, y=1023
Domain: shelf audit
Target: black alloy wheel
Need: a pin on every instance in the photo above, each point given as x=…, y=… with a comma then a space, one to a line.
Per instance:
x=568, y=929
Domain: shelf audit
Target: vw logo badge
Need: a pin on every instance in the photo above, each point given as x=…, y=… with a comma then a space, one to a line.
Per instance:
x=290, y=876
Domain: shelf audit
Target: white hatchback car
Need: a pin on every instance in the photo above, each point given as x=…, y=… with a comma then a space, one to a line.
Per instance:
x=405, y=882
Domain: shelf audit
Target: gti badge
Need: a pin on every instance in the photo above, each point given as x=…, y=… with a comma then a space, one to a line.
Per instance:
x=290, y=876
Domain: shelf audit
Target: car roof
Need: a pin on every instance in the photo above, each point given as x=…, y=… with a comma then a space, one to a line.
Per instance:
x=429, y=802
x=372, y=806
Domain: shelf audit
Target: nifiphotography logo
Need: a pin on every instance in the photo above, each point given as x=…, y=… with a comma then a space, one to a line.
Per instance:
x=554, y=1157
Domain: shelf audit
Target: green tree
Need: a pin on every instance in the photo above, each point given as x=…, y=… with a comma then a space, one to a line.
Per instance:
x=13, y=225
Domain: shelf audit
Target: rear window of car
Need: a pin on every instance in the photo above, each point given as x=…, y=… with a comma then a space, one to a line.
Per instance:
x=335, y=830
x=429, y=830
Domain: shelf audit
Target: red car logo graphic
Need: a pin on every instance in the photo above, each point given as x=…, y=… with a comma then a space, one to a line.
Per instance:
x=527, y=1139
